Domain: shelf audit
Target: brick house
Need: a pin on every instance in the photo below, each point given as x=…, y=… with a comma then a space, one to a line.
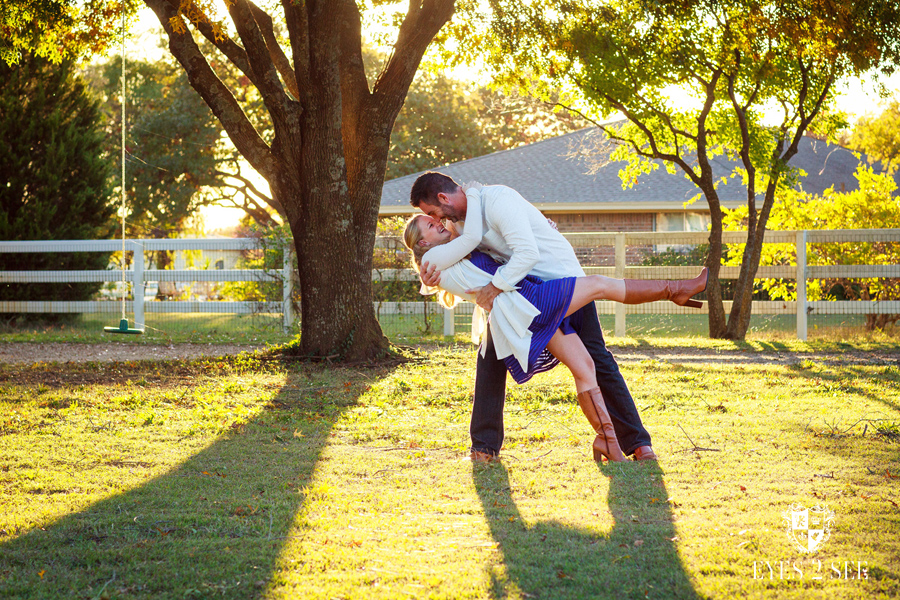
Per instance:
x=554, y=175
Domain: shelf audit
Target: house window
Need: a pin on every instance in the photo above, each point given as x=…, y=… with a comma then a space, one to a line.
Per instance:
x=682, y=221
x=677, y=222
x=696, y=221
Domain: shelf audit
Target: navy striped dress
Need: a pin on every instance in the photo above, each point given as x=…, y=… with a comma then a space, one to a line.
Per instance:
x=552, y=298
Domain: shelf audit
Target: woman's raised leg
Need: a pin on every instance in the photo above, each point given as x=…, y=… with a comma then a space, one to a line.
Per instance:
x=636, y=291
x=570, y=351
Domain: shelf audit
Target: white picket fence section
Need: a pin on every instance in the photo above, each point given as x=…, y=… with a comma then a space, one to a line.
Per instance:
x=139, y=276
x=799, y=271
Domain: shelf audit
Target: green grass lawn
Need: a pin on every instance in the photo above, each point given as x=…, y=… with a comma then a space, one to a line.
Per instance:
x=167, y=328
x=249, y=478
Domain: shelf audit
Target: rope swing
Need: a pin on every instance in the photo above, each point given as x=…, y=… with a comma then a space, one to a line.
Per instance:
x=123, y=324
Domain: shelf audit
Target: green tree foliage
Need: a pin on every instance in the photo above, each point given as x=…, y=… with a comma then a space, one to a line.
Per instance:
x=67, y=28
x=439, y=124
x=55, y=173
x=178, y=160
x=171, y=144
x=445, y=120
x=874, y=205
x=736, y=59
x=879, y=137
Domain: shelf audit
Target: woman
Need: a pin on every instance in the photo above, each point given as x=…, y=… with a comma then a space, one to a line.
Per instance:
x=530, y=326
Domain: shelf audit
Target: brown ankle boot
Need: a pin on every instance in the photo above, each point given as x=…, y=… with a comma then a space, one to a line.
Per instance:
x=639, y=291
x=605, y=444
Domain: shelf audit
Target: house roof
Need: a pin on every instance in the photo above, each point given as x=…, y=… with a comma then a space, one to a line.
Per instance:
x=554, y=174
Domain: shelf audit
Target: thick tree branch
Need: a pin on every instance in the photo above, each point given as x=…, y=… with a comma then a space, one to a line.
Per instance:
x=231, y=49
x=741, y=112
x=276, y=52
x=706, y=172
x=298, y=32
x=216, y=95
x=268, y=82
x=353, y=72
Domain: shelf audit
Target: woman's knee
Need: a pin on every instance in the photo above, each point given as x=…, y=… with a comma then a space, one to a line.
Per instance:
x=581, y=364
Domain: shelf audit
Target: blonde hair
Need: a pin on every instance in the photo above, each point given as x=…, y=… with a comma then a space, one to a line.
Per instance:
x=412, y=235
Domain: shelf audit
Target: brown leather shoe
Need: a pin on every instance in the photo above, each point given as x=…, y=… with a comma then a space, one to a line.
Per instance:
x=477, y=456
x=645, y=453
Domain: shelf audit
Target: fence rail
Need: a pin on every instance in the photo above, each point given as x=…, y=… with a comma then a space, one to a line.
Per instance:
x=139, y=276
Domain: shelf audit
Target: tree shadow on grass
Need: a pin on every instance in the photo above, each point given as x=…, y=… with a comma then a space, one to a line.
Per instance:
x=212, y=526
x=638, y=558
x=841, y=378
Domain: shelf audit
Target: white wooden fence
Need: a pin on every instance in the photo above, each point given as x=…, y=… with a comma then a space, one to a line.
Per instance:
x=139, y=276
x=799, y=271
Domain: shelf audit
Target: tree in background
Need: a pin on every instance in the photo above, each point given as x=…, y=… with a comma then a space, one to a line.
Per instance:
x=55, y=172
x=624, y=57
x=177, y=161
x=879, y=137
x=872, y=206
x=445, y=120
x=63, y=28
x=171, y=143
x=439, y=124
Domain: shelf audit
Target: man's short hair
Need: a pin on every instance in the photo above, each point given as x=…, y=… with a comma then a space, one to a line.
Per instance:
x=428, y=186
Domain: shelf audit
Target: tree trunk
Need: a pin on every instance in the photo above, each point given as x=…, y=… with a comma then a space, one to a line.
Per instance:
x=880, y=321
x=714, y=259
x=334, y=228
x=337, y=312
x=741, y=308
x=713, y=263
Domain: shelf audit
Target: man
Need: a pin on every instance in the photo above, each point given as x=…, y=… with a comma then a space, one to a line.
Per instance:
x=517, y=234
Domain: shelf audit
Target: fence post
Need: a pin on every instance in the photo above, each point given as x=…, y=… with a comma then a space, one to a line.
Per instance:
x=620, y=274
x=137, y=284
x=287, y=287
x=801, y=285
x=449, y=322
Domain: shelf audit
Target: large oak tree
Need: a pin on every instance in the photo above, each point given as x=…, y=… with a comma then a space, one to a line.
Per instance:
x=324, y=149
x=326, y=157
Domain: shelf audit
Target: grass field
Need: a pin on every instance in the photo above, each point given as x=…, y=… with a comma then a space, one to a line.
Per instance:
x=267, y=328
x=250, y=478
x=167, y=328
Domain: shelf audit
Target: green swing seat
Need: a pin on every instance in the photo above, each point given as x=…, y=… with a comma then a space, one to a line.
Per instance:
x=123, y=328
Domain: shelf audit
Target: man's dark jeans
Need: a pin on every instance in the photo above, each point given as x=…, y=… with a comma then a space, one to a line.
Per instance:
x=486, y=427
